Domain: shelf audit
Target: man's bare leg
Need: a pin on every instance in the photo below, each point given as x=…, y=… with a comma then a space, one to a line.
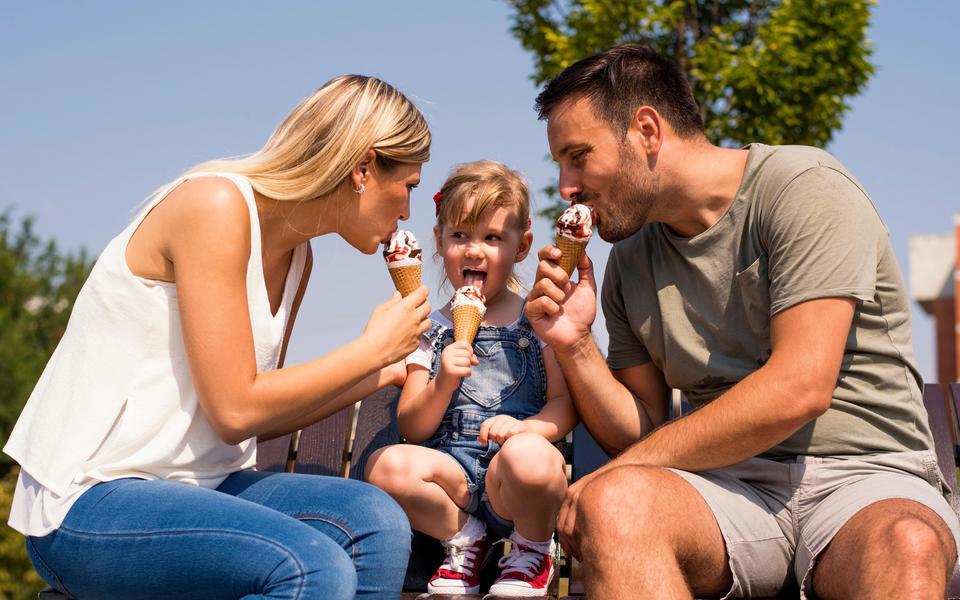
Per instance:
x=646, y=533
x=891, y=549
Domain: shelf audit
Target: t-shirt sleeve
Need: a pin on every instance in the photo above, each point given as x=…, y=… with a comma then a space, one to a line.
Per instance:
x=624, y=348
x=823, y=236
x=423, y=355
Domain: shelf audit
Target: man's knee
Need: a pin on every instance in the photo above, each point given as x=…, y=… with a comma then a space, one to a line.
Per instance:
x=620, y=501
x=917, y=539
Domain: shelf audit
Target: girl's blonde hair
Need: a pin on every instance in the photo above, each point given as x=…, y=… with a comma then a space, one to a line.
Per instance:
x=483, y=184
x=317, y=145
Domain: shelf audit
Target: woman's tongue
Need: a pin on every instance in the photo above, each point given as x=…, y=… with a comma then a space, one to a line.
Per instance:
x=474, y=278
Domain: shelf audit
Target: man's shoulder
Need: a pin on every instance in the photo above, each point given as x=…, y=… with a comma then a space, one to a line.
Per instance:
x=782, y=164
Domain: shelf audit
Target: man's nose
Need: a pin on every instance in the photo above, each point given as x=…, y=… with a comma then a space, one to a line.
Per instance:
x=569, y=186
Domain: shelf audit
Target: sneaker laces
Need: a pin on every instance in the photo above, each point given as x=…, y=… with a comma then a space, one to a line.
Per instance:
x=522, y=560
x=459, y=553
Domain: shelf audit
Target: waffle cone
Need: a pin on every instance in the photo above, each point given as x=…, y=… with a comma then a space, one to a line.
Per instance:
x=570, y=253
x=406, y=279
x=466, y=322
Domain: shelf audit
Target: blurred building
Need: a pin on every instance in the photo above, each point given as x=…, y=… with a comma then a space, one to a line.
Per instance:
x=935, y=285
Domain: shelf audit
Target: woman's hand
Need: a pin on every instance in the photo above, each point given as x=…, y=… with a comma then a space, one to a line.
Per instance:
x=501, y=428
x=395, y=327
x=455, y=362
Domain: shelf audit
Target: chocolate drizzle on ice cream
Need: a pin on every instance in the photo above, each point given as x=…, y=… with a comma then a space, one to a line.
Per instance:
x=402, y=250
x=575, y=223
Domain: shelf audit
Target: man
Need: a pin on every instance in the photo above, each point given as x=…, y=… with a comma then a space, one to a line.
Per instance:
x=761, y=282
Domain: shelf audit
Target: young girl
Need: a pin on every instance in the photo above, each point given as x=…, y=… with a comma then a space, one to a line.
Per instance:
x=485, y=417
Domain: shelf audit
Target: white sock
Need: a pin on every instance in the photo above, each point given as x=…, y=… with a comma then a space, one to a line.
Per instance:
x=472, y=531
x=545, y=547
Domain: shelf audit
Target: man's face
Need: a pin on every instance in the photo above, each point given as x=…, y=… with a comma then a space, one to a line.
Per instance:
x=599, y=170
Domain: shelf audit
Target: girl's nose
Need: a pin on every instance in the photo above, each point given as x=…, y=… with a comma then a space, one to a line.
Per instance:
x=474, y=250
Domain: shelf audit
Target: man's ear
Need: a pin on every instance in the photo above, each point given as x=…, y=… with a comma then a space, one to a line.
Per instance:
x=647, y=130
x=526, y=242
x=360, y=173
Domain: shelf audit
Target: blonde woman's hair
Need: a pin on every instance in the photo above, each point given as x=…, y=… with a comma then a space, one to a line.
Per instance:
x=487, y=184
x=317, y=145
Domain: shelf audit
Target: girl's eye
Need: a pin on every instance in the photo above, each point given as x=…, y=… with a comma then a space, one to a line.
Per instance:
x=494, y=238
x=459, y=235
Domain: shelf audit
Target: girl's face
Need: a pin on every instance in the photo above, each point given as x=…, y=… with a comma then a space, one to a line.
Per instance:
x=484, y=254
x=385, y=200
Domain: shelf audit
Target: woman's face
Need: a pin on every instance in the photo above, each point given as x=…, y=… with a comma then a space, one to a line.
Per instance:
x=384, y=201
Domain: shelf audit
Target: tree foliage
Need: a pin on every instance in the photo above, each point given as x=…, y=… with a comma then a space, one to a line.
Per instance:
x=773, y=71
x=38, y=284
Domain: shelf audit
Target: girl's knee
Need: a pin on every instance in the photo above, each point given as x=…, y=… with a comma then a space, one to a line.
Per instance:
x=531, y=459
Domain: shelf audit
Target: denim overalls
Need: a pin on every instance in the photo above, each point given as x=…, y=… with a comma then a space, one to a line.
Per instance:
x=509, y=380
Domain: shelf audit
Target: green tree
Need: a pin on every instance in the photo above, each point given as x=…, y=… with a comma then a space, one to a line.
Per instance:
x=773, y=71
x=38, y=284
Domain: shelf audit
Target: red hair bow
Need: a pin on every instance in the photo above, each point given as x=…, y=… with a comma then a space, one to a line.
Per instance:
x=436, y=200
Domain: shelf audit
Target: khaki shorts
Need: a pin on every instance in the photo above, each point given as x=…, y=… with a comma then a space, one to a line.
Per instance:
x=776, y=517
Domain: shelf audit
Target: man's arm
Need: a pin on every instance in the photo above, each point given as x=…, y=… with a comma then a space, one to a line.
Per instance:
x=794, y=387
x=620, y=407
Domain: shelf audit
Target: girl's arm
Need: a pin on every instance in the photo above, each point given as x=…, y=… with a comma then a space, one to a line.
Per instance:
x=422, y=402
x=211, y=276
x=553, y=422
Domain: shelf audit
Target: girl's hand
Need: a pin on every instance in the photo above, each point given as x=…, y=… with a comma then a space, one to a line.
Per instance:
x=395, y=326
x=455, y=362
x=500, y=428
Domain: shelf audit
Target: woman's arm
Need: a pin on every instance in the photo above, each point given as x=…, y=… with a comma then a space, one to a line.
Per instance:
x=238, y=401
x=394, y=374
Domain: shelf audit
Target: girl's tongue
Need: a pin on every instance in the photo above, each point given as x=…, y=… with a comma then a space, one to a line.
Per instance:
x=474, y=278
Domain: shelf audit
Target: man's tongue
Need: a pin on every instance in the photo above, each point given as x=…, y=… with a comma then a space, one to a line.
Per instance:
x=473, y=278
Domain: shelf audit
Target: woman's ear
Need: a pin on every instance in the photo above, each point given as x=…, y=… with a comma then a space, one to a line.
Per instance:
x=360, y=173
x=526, y=242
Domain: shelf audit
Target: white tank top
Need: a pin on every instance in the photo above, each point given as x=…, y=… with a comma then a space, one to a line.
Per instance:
x=116, y=398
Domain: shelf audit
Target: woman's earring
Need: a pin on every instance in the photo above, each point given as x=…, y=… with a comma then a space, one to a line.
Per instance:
x=361, y=189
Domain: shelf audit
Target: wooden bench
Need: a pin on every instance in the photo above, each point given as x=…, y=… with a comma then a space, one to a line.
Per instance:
x=341, y=445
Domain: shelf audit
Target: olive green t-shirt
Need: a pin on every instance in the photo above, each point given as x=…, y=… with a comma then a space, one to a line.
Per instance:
x=800, y=227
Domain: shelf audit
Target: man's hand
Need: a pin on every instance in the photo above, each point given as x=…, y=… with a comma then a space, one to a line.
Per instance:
x=501, y=428
x=559, y=311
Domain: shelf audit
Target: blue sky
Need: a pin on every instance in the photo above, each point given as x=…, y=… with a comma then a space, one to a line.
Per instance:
x=102, y=102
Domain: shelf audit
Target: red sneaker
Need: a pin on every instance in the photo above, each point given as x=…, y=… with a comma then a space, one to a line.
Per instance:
x=460, y=572
x=525, y=573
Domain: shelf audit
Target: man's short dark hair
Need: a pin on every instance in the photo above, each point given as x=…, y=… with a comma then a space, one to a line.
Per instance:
x=619, y=80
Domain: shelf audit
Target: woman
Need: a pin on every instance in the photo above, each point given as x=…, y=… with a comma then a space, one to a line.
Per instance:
x=137, y=443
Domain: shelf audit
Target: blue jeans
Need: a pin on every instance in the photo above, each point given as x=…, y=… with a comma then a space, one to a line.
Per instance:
x=258, y=535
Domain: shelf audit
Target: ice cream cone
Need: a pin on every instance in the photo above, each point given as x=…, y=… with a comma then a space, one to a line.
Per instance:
x=406, y=279
x=570, y=251
x=466, y=322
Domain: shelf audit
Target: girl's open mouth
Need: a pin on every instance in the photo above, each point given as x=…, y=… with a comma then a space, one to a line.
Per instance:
x=474, y=277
